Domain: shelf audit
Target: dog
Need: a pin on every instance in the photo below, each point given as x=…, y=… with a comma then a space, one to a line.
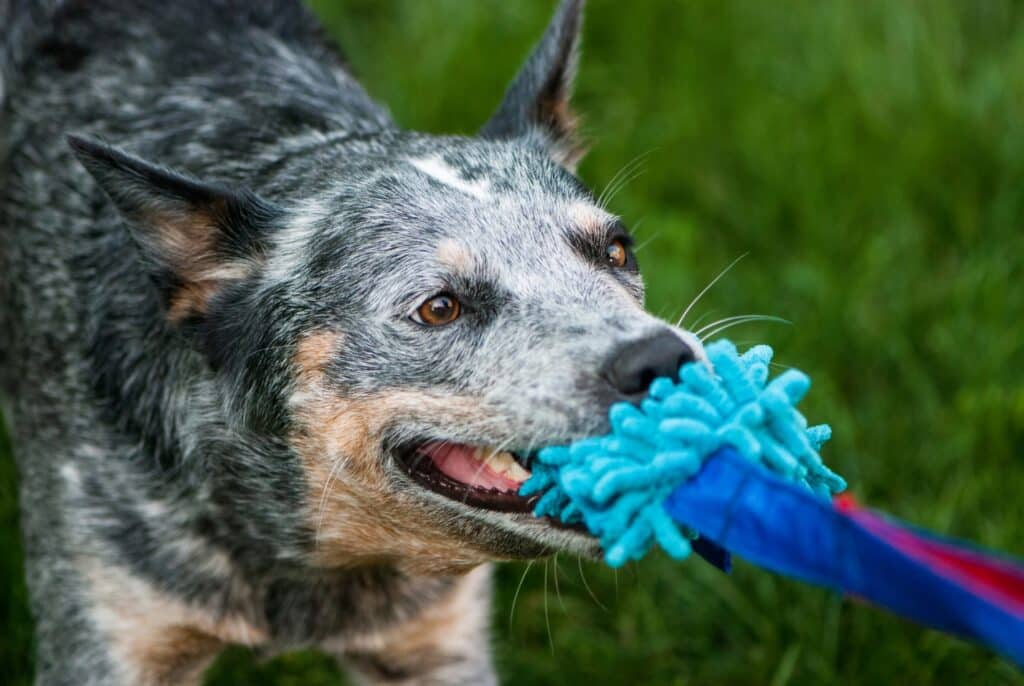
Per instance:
x=273, y=367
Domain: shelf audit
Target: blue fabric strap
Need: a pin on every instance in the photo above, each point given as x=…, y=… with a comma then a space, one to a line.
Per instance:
x=776, y=524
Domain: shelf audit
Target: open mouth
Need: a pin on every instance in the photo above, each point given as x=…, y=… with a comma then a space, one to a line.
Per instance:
x=473, y=475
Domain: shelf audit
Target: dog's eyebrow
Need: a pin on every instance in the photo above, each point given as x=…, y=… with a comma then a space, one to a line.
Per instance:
x=455, y=256
x=440, y=171
x=591, y=220
x=591, y=240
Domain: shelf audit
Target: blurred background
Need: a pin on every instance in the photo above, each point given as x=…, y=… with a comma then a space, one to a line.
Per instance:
x=867, y=156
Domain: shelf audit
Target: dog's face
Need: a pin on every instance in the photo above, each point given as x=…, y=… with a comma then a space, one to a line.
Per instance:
x=414, y=330
x=479, y=302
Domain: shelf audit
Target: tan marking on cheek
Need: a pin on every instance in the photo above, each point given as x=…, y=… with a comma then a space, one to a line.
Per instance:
x=156, y=638
x=312, y=355
x=455, y=256
x=356, y=513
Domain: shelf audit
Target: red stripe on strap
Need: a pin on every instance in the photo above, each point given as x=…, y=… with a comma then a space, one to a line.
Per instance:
x=999, y=581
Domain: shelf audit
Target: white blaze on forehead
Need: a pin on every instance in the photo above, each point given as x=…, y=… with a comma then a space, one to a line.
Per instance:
x=439, y=170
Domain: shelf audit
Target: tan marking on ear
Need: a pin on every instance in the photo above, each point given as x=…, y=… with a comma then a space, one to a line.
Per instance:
x=189, y=244
x=184, y=236
x=438, y=634
x=154, y=638
x=455, y=256
x=357, y=514
x=195, y=293
x=564, y=124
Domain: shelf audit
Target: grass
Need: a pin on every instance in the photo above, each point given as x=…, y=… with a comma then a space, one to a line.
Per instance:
x=868, y=157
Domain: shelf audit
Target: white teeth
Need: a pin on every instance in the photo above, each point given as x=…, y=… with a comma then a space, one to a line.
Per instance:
x=517, y=472
x=503, y=463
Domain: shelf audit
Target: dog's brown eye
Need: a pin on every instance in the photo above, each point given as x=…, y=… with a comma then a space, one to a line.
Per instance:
x=439, y=310
x=617, y=254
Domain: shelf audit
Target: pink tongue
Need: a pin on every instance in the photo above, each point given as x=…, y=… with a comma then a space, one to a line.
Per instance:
x=457, y=461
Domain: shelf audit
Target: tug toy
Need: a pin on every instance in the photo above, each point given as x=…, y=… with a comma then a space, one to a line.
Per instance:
x=721, y=461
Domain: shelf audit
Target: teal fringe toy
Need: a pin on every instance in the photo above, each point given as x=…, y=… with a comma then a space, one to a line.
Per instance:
x=719, y=461
x=615, y=484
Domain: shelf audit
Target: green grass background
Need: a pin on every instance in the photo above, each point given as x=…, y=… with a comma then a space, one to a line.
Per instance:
x=868, y=156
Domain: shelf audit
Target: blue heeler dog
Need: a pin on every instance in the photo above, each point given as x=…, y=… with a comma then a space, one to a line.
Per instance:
x=273, y=367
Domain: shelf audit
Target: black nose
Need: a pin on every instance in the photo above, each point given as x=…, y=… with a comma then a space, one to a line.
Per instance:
x=633, y=366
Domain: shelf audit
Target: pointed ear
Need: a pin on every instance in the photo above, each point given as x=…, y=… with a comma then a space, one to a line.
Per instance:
x=538, y=99
x=195, y=238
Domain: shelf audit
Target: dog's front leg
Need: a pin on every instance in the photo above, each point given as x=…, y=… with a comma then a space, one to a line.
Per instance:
x=446, y=643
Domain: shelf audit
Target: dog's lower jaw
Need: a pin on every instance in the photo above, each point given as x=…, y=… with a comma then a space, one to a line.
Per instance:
x=521, y=537
x=530, y=550
x=489, y=536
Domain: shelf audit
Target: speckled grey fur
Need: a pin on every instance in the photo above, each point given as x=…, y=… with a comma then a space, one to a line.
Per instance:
x=162, y=447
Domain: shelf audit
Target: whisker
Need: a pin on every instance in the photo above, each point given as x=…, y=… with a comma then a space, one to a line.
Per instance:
x=515, y=597
x=615, y=178
x=715, y=323
x=583, y=577
x=626, y=180
x=776, y=320
x=558, y=593
x=740, y=318
x=618, y=181
x=323, y=498
x=547, y=616
x=647, y=241
x=755, y=318
x=703, y=317
x=708, y=288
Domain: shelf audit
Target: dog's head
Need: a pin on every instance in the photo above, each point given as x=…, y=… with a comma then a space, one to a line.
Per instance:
x=413, y=329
